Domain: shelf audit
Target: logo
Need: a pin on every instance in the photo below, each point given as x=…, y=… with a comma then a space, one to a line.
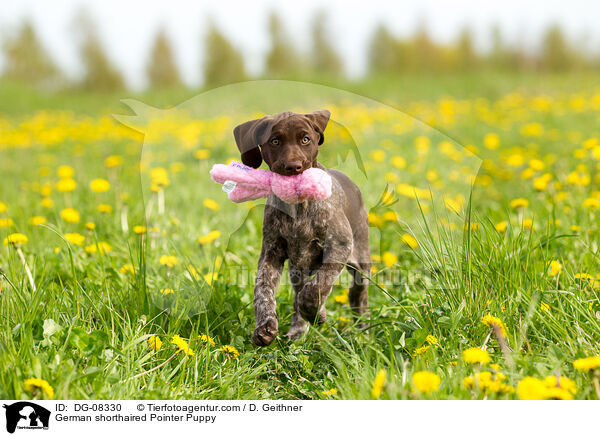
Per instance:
x=26, y=415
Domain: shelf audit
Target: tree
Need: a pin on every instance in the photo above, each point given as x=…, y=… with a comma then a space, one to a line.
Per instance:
x=556, y=54
x=425, y=55
x=223, y=63
x=162, y=69
x=383, y=54
x=324, y=58
x=283, y=59
x=27, y=60
x=99, y=72
x=467, y=59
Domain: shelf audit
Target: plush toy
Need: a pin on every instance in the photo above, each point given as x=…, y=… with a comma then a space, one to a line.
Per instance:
x=243, y=183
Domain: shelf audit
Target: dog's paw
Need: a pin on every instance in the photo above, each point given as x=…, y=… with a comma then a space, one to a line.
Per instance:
x=265, y=333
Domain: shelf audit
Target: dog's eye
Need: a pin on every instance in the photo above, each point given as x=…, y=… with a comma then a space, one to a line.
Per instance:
x=275, y=141
x=306, y=140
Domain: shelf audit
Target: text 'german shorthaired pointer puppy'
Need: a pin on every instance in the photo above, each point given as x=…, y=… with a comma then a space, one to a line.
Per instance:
x=318, y=238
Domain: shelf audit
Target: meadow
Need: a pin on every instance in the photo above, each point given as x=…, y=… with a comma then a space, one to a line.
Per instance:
x=126, y=274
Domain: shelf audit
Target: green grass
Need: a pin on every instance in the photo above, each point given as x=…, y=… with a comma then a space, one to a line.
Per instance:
x=85, y=327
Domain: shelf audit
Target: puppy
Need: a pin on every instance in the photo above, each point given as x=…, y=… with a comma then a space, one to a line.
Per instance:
x=318, y=238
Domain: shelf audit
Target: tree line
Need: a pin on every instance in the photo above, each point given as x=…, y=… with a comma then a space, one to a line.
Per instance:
x=27, y=60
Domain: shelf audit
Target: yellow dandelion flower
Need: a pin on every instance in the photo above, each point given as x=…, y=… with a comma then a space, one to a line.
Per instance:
x=432, y=340
x=46, y=190
x=101, y=247
x=410, y=240
x=531, y=388
x=330, y=393
x=38, y=385
x=390, y=216
x=168, y=261
x=37, y=220
x=202, y=153
x=555, y=268
x=16, y=239
x=75, y=238
x=206, y=339
x=518, y=203
x=210, y=204
x=113, y=161
x=426, y=382
x=389, y=259
x=342, y=298
x=558, y=394
x=47, y=203
x=544, y=307
x=591, y=203
x=65, y=172
x=230, y=351
x=182, y=345
x=562, y=383
x=90, y=226
x=70, y=215
x=127, y=269
x=476, y=355
x=3, y=207
x=527, y=173
x=399, y=162
x=155, y=343
x=6, y=222
x=378, y=384
x=167, y=291
x=209, y=237
x=99, y=185
x=537, y=165
x=587, y=363
x=528, y=224
x=375, y=220
x=491, y=321
x=501, y=226
x=66, y=185
x=491, y=141
x=105, y=208
x=377, y=155
x=139, y=230
x=540, y=183
x=160, y=177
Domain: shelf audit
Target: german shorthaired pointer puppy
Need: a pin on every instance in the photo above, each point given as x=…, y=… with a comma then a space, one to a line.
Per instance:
x=318, y=238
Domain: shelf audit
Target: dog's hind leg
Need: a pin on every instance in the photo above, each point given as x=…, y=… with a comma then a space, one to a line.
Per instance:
x=359, y=267
x=358, y=294
x=299, y=325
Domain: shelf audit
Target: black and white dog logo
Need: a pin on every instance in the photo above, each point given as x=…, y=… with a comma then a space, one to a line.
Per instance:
x=26, y=415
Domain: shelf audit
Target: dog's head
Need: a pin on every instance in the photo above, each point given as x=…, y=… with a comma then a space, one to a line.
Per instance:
x=288, y=142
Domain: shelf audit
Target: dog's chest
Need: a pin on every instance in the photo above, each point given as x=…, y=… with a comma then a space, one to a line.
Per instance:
x=305, y=228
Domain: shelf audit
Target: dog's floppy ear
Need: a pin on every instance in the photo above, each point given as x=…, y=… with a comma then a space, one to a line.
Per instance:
x=251, y=134
x=319, y=120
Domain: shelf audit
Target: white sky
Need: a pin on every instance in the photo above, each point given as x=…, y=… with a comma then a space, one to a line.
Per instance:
x=127, y=27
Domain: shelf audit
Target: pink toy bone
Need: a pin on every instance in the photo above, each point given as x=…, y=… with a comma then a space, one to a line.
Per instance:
x=312, y=184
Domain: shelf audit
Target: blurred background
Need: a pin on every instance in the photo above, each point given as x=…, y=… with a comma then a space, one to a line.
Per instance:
x=181, y=47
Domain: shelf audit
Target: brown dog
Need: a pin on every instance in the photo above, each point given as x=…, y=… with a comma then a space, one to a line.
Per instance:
x=318, y=238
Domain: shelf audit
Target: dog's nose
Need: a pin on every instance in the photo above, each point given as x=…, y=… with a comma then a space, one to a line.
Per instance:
x=293, y=167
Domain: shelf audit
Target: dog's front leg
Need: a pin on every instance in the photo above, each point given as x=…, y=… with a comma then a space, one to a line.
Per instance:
x=311, y=300
x=270, y=265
